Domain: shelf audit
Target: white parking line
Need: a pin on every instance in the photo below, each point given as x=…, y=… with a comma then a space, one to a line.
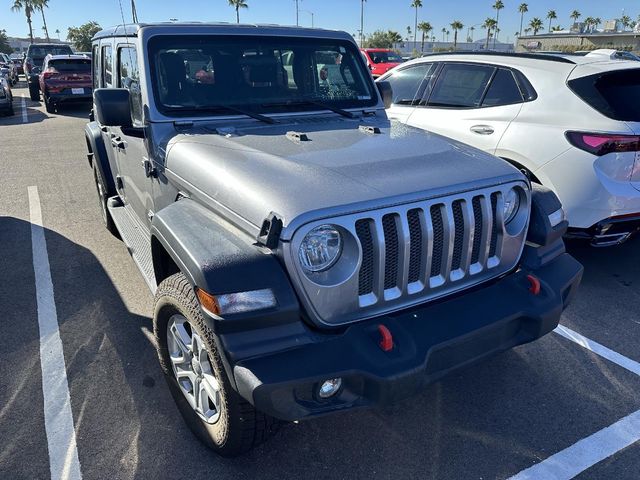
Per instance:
x=584, y=454
x=571, y=461
x=598, y=349
x=58, y=419
x=25, y=117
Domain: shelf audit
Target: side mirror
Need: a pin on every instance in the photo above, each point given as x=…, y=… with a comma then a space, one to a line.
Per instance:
x=386, y=92
x=112, y=107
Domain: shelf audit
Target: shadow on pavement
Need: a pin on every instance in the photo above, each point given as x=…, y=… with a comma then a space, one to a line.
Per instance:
x=487, y=421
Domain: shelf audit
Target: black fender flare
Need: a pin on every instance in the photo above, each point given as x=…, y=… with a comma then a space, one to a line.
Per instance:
x=219, y=258
x=98, y=154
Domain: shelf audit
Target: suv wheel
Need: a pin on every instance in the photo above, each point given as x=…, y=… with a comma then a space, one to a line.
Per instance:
x=48, y=103
x=216, y=413
x=102, y=201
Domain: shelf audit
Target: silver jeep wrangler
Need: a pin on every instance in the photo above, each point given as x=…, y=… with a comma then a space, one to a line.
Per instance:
x=307, y=254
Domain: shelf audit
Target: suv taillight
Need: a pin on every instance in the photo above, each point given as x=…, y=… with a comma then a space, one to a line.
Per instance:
x=601, y=143
x=51, y=72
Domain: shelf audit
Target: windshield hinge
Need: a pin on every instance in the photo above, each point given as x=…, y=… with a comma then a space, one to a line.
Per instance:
x=270, y=231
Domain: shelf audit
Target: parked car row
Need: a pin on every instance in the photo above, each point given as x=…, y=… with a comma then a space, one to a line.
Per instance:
x=53, y=72
x=8, y=69
x=571, y=123
x=6, y=95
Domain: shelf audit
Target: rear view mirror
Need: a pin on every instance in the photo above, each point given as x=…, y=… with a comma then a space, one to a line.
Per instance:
x=112, y=107
x=386, y=92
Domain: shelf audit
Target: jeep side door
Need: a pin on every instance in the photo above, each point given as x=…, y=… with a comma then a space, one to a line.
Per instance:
x=128, y=142
x=472, y=103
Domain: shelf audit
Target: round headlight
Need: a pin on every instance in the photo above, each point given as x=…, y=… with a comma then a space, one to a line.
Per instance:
x=511, y=205
x=320, y=248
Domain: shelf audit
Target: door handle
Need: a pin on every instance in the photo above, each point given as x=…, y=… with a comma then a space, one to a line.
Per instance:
x=117, y=142
x=482, y=129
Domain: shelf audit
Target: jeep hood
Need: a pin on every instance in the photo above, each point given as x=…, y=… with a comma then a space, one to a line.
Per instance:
x=343, y=165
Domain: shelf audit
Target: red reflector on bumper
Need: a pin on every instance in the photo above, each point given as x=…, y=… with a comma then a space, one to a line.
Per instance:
x=386, y=339
x=534, y=285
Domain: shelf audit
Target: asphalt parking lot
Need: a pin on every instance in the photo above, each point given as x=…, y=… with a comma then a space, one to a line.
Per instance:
x=554, y=405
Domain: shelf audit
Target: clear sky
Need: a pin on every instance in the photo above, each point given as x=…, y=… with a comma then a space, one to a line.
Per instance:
x=334, y=14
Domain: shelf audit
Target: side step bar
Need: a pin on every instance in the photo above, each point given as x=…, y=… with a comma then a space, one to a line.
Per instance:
x=136, y=237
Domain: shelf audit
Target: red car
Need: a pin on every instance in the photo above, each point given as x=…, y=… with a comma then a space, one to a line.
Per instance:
x=380, y=60
x=65, y=79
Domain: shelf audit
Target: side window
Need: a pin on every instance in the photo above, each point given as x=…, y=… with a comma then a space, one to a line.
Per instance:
x=129, y=78
x=408, y=84
x=461, y=85
x=503, y=90
x=107, y=77
x=96, y=66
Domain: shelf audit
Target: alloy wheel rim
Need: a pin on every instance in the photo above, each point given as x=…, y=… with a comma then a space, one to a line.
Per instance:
x=192, y=369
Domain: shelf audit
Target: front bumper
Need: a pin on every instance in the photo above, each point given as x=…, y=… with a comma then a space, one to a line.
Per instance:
x=429, y=341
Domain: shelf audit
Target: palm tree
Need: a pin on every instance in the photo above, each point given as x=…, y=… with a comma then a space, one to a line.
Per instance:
x=575, y=15
x=425, y=28
x=626, y=21
x=556, y=28
x=238, y=4
x=27, y=7
x=416, y=4
x=596, y=22
x=472, y=29
x=527, y=31
x=456, y=25
x=523, y=8
x=394, y=37
x=536, y=25
x=589, y=22
x=57, y=32
x=489, y=24
x=497, y=6
x=362, y=21
x=444, y=32
x=551, y=16
x=41, y=5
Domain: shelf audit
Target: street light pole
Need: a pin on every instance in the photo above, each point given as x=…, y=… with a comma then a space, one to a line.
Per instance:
x=297, y=14
x=310, y=13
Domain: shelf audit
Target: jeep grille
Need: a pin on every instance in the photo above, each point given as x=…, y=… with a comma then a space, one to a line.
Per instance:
x=415, y=252
x=448, y=241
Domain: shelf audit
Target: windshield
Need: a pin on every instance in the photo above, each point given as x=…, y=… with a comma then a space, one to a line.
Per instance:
x=385, y=57
x=71, y=65
x=41, y=52
x=257, y=73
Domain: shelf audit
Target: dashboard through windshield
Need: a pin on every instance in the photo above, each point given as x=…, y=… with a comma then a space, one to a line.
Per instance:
x=203, y=75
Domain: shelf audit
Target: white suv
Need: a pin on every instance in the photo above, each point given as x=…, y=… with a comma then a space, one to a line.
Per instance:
x=571, y=123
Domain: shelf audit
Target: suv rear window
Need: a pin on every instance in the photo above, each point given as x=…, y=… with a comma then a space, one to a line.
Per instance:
x=614, y=94
x=71, y=65
x=41, y=52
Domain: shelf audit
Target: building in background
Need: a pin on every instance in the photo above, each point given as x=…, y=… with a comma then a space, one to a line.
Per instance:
x=20, y=45
x=408, y=48
x=579, y=39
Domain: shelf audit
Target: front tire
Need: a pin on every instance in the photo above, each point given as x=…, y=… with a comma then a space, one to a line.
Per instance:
x=189, y=358
x=101, y=190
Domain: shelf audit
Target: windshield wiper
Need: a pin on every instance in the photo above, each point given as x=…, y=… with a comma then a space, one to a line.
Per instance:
x=228, y=108
x=322, y=105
